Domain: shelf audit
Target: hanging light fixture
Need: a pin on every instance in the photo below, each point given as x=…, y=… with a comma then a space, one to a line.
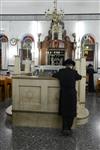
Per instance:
x=55, y=16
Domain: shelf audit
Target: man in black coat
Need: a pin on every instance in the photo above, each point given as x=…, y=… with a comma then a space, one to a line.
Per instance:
x=68, y=95
x=90, y=73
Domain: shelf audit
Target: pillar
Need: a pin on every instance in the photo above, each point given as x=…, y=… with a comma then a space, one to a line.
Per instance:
x=82, y=111
x=17, y=65
x=27, y=65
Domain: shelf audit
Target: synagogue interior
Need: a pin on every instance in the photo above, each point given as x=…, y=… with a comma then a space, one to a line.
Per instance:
x=36, y=37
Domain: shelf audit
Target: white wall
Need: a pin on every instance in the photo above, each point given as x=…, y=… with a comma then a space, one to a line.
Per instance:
x=18, y=29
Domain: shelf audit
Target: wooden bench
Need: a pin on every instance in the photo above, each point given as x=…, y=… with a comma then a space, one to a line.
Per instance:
x=98, y=87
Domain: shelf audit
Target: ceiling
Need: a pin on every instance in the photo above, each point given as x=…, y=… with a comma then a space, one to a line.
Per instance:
x=39, y=6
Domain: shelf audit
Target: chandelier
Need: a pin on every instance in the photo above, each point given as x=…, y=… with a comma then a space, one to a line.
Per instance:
x=55, y=16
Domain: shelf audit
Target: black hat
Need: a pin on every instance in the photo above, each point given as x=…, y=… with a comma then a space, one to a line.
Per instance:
x=69, y=62
x=90, y=65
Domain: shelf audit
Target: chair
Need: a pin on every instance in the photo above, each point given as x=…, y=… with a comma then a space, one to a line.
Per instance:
x=2, y=88
x=8, y=87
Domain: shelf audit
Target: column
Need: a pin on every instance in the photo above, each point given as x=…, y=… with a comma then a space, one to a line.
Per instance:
x=27, y=65
x=17, y=65
x=82, y=111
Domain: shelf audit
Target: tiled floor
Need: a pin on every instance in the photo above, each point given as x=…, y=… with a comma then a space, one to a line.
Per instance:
x=86, y=137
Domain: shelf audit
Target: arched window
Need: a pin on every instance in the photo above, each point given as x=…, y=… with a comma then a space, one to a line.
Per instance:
x=27, y=45
x=88, y=46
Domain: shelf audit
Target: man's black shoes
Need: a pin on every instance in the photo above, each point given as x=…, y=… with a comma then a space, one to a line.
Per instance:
x=67, y=132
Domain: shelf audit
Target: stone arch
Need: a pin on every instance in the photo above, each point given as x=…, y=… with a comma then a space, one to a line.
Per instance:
x=88, y=38
x=3, y=38
x=27, y=37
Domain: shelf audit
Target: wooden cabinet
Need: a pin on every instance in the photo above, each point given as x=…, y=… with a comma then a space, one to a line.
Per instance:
x=56, y=51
